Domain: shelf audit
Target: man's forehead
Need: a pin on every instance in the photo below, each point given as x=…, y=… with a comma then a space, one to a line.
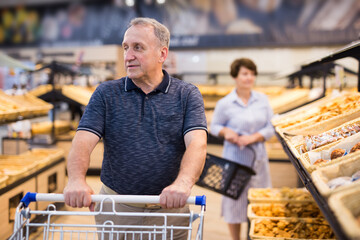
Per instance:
x=147, y=28
x=135, y=30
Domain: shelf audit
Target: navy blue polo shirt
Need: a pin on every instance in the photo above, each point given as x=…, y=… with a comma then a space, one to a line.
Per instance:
x=143, y=134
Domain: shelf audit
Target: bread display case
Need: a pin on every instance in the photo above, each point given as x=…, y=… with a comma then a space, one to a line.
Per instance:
x=322, y=142
x=13, y=108
x=285, y=213
x=27, y=170
x=45, y=127
x=79, y=94
x=38, y=170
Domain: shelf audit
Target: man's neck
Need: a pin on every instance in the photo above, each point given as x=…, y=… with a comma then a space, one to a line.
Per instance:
x=147, y=85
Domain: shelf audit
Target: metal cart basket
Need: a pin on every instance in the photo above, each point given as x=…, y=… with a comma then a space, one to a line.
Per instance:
x=24, y=228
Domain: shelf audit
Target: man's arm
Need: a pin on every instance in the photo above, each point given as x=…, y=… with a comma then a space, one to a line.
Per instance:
x=192, y=164
x=77, y=192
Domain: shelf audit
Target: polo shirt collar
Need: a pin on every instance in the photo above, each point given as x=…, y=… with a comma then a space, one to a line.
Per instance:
x=163, y=86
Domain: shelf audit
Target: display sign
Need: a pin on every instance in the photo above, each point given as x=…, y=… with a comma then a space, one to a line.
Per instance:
x=196, y=24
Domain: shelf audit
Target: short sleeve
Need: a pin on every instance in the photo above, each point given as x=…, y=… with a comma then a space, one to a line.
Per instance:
x=93, y=119
x=268, y=130
x=219, y=118
x=194, y=113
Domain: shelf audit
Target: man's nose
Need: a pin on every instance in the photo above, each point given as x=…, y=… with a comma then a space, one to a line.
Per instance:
x=128, y=55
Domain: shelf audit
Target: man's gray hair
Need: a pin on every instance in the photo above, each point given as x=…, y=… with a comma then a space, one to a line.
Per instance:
x=160, y=31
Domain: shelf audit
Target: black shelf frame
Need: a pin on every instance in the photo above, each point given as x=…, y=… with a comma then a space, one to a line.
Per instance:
x=319, y=199
x=351, y=50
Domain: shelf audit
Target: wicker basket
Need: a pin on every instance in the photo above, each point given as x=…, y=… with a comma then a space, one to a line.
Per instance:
x=279, y=195
x=287, y=139
x=79, y=94
x=10, y=115
x=298, y=145
x=289, y=99
x=309, y=121
x=304, y=222
x=61, y=126
x=312, y=126
x=346, y=167
x=41, y=90
x=346, y=207
x=305, y=160
x=287, y=209
x=301, y=111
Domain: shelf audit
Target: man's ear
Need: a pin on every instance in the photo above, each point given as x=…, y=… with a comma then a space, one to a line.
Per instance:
x=163, y=54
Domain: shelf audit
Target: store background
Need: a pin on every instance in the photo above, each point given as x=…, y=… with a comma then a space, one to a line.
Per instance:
x=207, y=35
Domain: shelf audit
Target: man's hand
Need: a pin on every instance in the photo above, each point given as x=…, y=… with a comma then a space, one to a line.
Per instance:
x=175, y=195
x=78, y=194
x=192, y=163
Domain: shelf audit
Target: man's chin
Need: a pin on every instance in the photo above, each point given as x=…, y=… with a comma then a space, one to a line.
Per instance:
x=131, y=75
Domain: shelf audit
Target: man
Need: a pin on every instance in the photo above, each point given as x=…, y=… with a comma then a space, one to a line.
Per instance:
x=153, y=127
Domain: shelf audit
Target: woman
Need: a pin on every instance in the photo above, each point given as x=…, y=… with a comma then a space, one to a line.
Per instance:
x=242, y=118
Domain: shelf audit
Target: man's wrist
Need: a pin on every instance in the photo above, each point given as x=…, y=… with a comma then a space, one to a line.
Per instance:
x=185, y=181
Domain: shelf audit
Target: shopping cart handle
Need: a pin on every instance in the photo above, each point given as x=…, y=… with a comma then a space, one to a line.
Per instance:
x=36, y=197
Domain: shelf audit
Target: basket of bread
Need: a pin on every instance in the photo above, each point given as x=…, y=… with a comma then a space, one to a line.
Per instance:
x=346, y=207
x=283, y=210
x=79, y=94
x=321, y=115
x=15, y=167
x=291, y=228
x=341, y=149
x=338, y=177
x=279, y=195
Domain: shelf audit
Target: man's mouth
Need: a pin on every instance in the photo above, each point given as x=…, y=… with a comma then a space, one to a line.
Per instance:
x=131, y=66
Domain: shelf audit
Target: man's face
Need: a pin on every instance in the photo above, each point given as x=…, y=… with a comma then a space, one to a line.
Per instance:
x=142, y=52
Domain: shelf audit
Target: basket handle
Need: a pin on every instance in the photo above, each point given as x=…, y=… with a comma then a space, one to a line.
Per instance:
x=253, y=151
x=54, y=197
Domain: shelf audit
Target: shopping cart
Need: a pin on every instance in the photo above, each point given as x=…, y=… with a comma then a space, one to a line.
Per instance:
x=51, y=229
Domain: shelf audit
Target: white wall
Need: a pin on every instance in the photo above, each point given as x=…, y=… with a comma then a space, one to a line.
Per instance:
x=277, y=61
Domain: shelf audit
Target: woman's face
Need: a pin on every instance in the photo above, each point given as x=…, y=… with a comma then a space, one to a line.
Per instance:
x=245, y=78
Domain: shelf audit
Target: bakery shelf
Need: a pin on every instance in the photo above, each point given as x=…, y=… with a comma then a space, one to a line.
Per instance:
x=308, y=183
x=350, y=50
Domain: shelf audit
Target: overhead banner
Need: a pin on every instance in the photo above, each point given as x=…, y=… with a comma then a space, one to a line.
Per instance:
x=193, y=24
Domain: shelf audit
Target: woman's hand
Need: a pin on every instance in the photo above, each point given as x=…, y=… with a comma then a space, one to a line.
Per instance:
x=230, y=135
x=245, y=140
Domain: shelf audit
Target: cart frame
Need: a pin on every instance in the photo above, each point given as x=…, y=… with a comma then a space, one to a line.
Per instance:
x=50, y=229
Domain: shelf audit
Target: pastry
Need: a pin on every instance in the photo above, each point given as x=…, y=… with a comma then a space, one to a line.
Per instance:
x=355, y=148
x=337, y=153
x=320, y=161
